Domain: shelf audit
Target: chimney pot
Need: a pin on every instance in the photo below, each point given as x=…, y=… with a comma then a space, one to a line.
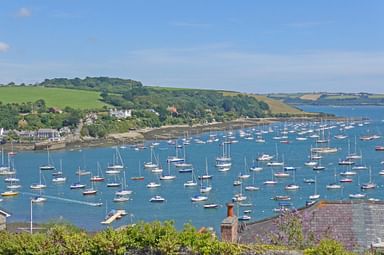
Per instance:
x=230, y=210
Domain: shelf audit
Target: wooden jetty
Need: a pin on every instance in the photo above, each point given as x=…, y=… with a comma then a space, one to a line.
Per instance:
x=112, y=217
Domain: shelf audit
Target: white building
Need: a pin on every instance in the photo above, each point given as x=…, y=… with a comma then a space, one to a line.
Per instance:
x=120, y=114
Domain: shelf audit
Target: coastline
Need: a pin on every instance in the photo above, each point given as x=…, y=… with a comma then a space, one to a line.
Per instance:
x=160, y=133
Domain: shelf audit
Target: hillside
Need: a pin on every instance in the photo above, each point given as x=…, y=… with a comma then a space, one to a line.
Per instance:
x=53, y=97
x=325, y=98
x=276, y=106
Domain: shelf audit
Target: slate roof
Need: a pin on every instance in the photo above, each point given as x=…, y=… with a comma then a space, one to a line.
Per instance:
x=2, y=212
x=356, y=224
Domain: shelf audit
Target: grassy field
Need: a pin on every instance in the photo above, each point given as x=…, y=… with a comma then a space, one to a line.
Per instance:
x=276, y=106
x=312, y=97
x=53, y=97
x=340, y=97
x=376, y=96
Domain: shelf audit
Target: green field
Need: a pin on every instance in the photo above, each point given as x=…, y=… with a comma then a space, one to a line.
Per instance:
x=340, y=97
x=53, y=97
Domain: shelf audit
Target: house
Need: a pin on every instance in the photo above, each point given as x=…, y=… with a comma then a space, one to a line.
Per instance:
x=47, y=133
x=3, y=219
x=358, y=225
x=90, y=118
x=120, y=114
x=172, y=109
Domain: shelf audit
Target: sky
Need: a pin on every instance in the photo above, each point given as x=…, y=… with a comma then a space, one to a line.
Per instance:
x=255, y=46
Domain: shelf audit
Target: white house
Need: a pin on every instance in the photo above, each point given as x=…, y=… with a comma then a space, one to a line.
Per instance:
x=120, y=114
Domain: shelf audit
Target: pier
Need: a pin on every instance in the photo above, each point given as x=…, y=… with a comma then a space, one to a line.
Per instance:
x=116, y=215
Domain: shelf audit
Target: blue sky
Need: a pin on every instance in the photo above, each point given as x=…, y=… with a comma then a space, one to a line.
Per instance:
x=246, y=45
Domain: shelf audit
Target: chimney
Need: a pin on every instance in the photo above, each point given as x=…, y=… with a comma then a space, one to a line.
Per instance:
x=229, y=225
x=230, y=210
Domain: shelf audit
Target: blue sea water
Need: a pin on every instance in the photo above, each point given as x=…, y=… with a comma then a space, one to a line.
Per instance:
x=178, y=206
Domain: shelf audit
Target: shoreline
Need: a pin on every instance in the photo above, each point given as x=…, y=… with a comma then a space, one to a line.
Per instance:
x=160, y=133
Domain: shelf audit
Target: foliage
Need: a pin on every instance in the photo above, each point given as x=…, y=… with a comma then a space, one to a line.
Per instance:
x=32, y=116
x=327, y=247
x=141, y=238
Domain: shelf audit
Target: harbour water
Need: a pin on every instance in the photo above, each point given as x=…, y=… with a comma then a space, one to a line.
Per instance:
x=70, y=205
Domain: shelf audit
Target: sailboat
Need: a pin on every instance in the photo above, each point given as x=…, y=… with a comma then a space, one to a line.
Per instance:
x=3, y=168
x=183, y=165
x=315, y=195
x=77, y=185
x=9, y=193
x=39, y=185
x=98, y=177
x=117, y=163
x=150, y=164
x=354, y=154
x=252, y=187
x=206, y=175
x=199, y=198
x=48, y=166
x=139, y=177
x=225, y=157
x=272, y=181
x=223, y=162
x=90, y=191
x=276, y=163
x=292, y=186
x=370, y=184
x=168, y=177
x=239, y=196
x=82, y=172
x=38, y=199
x=158, y=169
x=255, y=167
x=124, y=191
x=244, y=175
x=176, y=158
x=59, y=178
x=114, y=184
x=192, y=182
x=207, y=187
x=318, y=167
x=334, y=185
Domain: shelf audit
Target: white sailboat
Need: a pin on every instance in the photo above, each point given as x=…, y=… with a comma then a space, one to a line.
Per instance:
x=48, y=166
x=117, y=163
x=77, y=185
x=315, y=195
x=39, y=185
x=124, y=191
x=292, y=186
x=150, y=164
x=244, y=175
x=252, y=187
x=168, y=177
x=192, y=182
x=370, y=184
x=176, y=158
x=334, y=185
x=59, y=178
x=206, y=175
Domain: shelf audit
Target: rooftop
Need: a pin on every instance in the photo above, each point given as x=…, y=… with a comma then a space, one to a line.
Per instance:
x=356, y=224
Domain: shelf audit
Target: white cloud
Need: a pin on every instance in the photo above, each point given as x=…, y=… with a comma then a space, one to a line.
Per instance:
x=4, y=47
x=24, y=12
